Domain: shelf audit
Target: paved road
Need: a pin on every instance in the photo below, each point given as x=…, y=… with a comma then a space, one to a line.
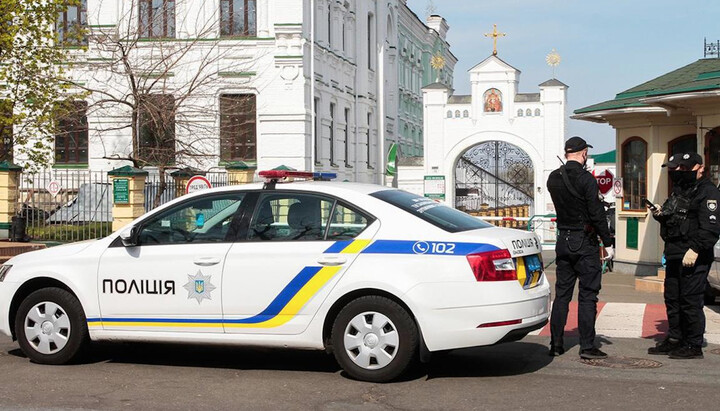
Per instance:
x=518, y=375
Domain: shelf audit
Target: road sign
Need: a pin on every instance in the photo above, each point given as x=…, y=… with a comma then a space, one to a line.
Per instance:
x=435, y=187
x=618, y=187
x=605, y=181
x=197, y=183
x=121, y=191
x=53, y=187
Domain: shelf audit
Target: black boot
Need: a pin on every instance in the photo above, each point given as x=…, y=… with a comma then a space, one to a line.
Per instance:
x=686, y=352
x=664, y=347
x=592, y=354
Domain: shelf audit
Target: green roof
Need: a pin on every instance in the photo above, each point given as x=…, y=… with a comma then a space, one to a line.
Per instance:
x=603, y=158
x=701, y=75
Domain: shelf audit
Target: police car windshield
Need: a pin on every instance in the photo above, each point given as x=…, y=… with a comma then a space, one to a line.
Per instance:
x=447, y=218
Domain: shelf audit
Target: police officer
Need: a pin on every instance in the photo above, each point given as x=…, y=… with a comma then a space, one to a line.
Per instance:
x=580, y=220
x=690, y=228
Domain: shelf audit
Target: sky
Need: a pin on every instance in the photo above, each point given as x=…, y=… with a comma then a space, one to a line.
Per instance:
x=606, y=46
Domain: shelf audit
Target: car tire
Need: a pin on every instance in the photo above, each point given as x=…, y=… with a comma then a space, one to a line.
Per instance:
x=50, y=326
x=374, y=339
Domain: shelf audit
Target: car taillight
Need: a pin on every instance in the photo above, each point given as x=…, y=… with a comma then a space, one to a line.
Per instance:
x=495, y=265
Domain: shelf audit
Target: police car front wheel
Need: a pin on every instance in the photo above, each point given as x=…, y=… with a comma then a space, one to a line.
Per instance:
x=374, y=339
x=50, y=326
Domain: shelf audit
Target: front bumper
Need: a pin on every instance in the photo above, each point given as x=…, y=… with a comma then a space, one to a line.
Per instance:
x=449, y=315
x=7, y=291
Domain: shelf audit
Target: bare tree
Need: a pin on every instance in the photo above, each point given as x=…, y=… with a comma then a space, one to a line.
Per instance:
x=153, y=79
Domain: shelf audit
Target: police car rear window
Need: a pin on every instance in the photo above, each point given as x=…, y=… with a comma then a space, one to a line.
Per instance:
x=440, y=215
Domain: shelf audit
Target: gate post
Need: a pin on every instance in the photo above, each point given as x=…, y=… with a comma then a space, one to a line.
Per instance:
x=240, y=172
x=9, y=179
x=181, y=178
x=128, y=195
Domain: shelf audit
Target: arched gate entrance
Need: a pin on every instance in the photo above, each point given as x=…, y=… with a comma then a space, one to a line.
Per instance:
x=495, y=178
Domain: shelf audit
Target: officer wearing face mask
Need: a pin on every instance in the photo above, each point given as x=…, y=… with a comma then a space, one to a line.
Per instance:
x=690, y=228
x=580, y=221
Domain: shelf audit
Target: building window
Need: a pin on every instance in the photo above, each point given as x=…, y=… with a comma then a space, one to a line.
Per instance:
x=466, y=114
x=369, y=127
x=449, y=114
x=370, y=31
x=6, y=131
x=156, y=122
x=457, y=113
x=71, y=23
x=332, y=134
x=71, y=136
x=238, y=128
x=329, y=24
x=157, y=18
x=347, y=137
x=634, y=169
x=537, y=112
x=520, y=112
x=316, y=136
x=528, y=113
x=712, y=142
x=238, y=18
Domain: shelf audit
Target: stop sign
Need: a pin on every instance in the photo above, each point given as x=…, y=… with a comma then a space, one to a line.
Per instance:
x=605, y=181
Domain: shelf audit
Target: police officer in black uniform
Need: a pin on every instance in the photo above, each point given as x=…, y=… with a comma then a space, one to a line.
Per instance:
x=580, y=220
x=690, y=228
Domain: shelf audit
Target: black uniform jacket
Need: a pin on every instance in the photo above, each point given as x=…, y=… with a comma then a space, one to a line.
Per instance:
x=704, y=227
x=574, y=213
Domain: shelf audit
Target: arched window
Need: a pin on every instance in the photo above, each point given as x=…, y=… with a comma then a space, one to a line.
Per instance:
x=520, y=112
x=528, y=113
x=537, y=112
x=634, y=173
x=466, y=114
x=457, y=113
x=449, y=114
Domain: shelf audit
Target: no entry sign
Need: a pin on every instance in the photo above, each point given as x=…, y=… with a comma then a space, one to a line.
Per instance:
x=197, y=183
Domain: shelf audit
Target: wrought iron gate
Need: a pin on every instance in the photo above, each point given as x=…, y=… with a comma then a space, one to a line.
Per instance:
x=495, y=179
x=65, y=205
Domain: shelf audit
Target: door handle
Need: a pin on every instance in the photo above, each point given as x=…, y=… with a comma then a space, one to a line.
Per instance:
x=206, y=261
x=332, y=260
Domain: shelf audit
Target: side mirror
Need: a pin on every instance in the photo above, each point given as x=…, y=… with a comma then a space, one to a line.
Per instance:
x=129, y=237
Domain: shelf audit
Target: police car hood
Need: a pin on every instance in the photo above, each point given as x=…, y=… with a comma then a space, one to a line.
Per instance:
x=518, y=242
x=48, y=254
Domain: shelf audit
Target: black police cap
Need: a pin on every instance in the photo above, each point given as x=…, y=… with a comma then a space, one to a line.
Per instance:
x=575, y=144
x=688, y=160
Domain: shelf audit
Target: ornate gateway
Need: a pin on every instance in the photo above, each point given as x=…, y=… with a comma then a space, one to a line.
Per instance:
x=495, y=179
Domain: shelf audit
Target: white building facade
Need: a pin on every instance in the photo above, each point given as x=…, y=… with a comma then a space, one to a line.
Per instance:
x=308, y=84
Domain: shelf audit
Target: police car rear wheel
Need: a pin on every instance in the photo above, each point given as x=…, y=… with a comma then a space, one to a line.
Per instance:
x=50, y=326
x=374, y=339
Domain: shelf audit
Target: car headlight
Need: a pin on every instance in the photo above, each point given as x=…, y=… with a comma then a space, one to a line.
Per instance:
x=4, y=269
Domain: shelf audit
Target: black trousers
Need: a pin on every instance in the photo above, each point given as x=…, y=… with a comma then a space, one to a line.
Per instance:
x=578, y=258
x=684, y=292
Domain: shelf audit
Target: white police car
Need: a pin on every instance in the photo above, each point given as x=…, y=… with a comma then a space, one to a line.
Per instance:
x=378, y=276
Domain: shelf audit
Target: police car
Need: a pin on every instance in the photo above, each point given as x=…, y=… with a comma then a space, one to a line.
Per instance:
x=378, y=276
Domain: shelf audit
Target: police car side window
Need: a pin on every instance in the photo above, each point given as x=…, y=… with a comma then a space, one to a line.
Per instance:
x=345, y=223
x=290, y=217
x=203, y=220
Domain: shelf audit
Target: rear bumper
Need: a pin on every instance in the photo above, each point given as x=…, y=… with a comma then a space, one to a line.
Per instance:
x=450, y=323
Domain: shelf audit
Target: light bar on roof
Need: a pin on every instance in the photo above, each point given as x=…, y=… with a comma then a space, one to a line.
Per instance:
x=284, y=174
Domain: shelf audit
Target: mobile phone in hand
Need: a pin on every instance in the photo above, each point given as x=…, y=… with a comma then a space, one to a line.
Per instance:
x=649, y=205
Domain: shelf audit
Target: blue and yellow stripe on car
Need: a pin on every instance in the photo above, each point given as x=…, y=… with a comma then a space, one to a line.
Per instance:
x=298, y=292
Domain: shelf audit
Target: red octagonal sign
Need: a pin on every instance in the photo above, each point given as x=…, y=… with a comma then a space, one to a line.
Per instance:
x=605, y=181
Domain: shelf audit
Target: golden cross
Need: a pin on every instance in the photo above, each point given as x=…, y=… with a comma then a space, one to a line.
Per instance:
x=495, y=36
